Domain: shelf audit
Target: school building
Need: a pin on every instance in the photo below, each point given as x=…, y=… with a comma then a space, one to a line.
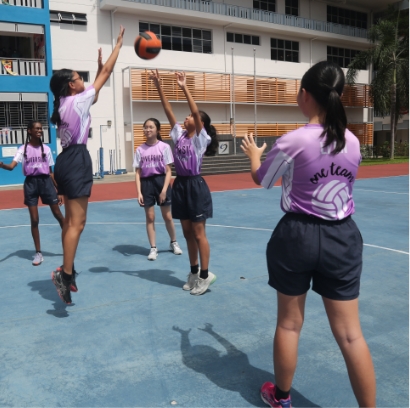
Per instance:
x=244, y=60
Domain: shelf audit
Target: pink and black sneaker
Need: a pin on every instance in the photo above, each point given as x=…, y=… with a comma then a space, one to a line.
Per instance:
x=73, y=286
x=268, y=397
x=62, y=286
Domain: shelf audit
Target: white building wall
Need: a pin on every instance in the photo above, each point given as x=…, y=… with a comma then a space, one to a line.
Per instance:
x=76, y=47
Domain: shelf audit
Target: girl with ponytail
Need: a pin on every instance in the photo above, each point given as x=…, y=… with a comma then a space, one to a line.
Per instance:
x=191, y=198
x=37, y=161
x=316, y=241
x=73, y=169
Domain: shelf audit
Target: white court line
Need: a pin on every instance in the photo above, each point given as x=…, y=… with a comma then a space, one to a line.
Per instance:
x=208, y=225
x=378, y=191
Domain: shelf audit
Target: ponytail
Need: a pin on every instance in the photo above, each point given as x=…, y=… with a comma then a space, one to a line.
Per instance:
x=157, y=125
x=325, y=82
x=210, y=129
x=59, y=87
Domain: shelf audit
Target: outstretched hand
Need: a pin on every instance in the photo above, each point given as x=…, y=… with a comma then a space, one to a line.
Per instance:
x=99, y=60
x=120, y=36
x=250, y=148
x=154, y=76
x=176, y=328
x=181, y=79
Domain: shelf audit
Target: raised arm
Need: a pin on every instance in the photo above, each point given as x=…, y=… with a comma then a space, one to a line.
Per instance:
x=100, y=67
x=254, y=153
x=164, y=100
x=181, y=79
x=109, y=65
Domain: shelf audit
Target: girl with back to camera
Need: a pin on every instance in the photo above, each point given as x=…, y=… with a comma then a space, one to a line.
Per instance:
x=37, y=162
x=191, y=198
x=152, y=161
x=73, y=169
x=316, y=240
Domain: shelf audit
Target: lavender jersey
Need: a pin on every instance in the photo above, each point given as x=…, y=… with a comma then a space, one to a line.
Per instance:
x=34, y=164
x=313, y=181
x=188, y=152
x=152, y=159
x=75, y=117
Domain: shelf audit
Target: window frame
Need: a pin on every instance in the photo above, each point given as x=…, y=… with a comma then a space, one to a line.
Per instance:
x=291, y=7
x=233, y=37
x=283, y=47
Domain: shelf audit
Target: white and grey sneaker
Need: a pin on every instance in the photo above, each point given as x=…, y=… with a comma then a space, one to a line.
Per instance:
x=174, y=247
x=202, y=285
x=190, y=283
x=37, y=259
x=153, y=253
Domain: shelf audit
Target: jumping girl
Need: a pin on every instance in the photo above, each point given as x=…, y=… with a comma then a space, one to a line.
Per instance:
x=191, y=198
x=37, y=162
x=152, y=161
x=73, y=169
x=316, y=240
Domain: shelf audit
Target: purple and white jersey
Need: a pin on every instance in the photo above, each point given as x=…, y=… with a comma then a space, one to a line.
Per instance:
x=34, y=164
x=188, y=152
x=152, y=159
x=75, y=117
x=314, y=182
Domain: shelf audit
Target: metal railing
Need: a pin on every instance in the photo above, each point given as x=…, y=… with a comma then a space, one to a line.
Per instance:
x=23, y=67
x=230, y=10
x=23, y=3
x=17, y=135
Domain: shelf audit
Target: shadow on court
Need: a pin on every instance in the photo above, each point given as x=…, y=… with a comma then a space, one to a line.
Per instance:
x=231, y=371
x=162, y=276
x=47, y=290
x=128, y=250
x=27, y=254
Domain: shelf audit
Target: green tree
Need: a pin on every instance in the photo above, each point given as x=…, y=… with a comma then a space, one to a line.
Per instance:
x=389, y=57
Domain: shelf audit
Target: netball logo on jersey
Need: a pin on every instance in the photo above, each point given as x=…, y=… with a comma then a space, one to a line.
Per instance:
x=331, y=200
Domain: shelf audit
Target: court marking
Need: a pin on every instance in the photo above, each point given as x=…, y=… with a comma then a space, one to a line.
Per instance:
x=208, y=225
x=378, y=191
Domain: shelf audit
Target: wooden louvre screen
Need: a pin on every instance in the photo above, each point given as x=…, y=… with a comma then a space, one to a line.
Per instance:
x=363, y=131
x=211, y=87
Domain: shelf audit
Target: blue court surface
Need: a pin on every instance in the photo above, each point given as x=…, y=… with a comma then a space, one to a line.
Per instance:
x=133, y=337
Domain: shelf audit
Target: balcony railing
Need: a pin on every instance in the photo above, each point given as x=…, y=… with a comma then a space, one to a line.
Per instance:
x=23, y=3
x=230, y=10
x=17, y=135
x=22, y=67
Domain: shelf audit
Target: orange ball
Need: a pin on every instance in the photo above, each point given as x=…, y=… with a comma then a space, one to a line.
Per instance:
x=147, y=45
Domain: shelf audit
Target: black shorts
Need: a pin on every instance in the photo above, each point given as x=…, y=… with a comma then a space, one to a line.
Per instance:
x=191, y=199
x=73, y=172
x=39, y=186
x=151, y=188
x=328, y=253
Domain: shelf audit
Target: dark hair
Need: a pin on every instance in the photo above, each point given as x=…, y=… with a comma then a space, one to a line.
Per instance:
x=30, y=126
x=325, y=82
x=210, y=129
x=59, y=87
x=157, y=125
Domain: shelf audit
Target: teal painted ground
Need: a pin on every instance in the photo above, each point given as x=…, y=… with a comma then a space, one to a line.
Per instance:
x=133, y=337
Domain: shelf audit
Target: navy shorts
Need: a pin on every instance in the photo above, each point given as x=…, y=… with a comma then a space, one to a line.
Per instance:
x=328, y=253
x=39, y=186
x=73, y=172
x=191, y=199
x=151, y=188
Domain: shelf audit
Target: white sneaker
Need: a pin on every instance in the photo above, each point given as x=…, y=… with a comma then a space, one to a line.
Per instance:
x=190, y=283
x=202, y=285
x=153, y=253
x=37, y=259
x=174, y=247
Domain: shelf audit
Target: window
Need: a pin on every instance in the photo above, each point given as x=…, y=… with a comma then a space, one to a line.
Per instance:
x=243, y=38
x=268, y=5
x=284, y=50
x=68, y=17
x=180, y=38
x=84, y=74
x=346, y=17
x=292, y=7
x=341, y=56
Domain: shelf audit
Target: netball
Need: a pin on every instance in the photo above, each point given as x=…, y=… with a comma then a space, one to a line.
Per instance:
x=147, y=45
